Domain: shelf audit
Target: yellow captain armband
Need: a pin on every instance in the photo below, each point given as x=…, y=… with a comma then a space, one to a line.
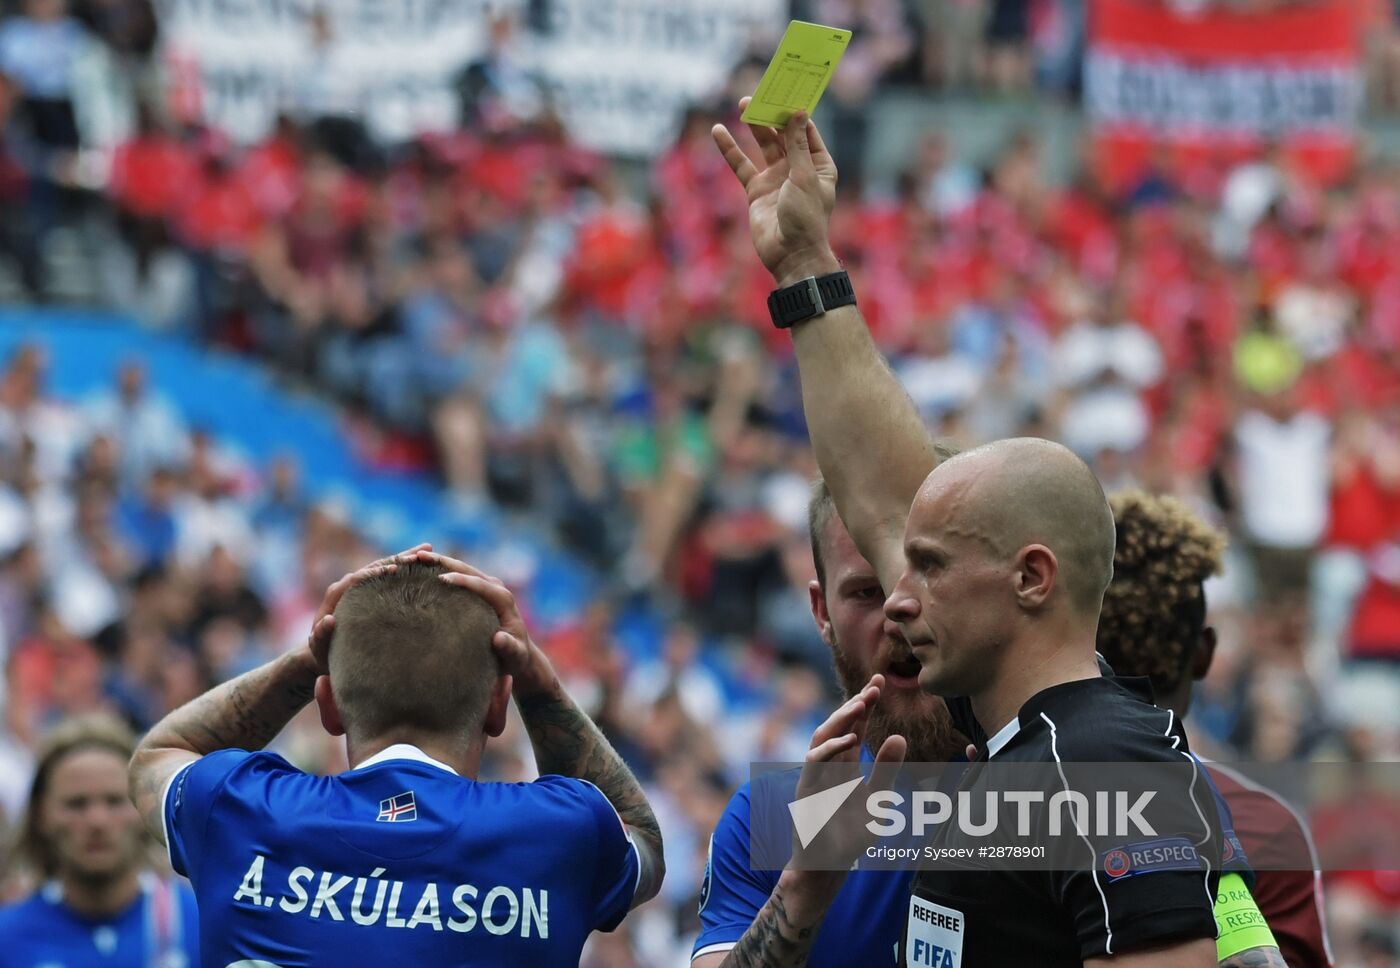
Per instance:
x=1240, y=923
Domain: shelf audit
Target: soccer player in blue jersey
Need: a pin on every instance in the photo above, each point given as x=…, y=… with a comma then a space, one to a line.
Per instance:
x=99, y=905
x=405, y=858
x=739, y=905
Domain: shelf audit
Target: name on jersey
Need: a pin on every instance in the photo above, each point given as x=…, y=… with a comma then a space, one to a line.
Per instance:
x=379, y=900
x=1167, y=854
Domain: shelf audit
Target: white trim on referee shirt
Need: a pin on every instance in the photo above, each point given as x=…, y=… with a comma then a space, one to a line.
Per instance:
x=403, y=751
x=1003, y=736
x=1205, y=824
x=1093, y=854
x=1196, y=768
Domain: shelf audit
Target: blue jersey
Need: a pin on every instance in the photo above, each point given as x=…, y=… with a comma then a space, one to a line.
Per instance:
x=157, y=930
x=400, y=861
x=863, y=925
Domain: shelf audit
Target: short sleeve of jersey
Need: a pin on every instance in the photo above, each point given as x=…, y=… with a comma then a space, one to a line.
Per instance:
x=732, y=893
x=618, y=865
x=1162, y=899
x=1114, y=917
x=188, y=801
x=1158, y=902
x=1233, y=859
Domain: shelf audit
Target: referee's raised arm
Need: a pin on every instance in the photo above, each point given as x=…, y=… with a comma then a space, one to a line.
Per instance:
x=994, y=564
x=873, y=449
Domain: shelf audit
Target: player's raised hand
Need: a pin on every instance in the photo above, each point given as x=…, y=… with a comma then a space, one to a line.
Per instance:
x=834, y=753
x=839, y=739
x=791, y=191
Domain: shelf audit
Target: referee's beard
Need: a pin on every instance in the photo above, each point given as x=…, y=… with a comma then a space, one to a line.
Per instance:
x=922, y=719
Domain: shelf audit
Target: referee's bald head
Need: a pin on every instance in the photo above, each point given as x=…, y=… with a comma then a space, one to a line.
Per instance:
x=412, y=656
x=1024, y=491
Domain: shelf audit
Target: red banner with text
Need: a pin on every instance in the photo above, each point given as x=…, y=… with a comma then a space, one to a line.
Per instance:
x=1198, y=90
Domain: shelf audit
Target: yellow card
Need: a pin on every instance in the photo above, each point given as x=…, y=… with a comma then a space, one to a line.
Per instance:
x=798, y=73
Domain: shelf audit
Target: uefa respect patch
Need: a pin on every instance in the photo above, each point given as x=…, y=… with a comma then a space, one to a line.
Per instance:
x=1165, y=854
x=1232, y=848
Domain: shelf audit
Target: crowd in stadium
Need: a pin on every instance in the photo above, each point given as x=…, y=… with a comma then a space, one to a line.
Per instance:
x=503, y=308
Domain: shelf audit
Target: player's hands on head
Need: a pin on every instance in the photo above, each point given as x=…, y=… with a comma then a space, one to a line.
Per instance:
x=521, y=659
x=791, y=191
x=318, y=643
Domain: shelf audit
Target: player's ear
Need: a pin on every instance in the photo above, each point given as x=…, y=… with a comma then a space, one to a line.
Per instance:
x=1205, y=653
x=497, y=707
x=820, y=614
x=325, y=704
x=1036, y=574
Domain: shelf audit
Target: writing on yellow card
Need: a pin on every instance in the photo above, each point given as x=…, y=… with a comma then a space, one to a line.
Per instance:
x=798, y=73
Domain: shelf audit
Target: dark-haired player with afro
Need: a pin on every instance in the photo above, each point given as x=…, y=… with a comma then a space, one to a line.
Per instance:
x=1153, y=624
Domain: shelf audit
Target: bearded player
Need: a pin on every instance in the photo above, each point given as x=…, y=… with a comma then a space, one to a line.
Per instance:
x=739, y=906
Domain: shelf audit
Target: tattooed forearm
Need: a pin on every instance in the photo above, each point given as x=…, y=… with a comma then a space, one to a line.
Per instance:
x=244, y=713
x=772, y=940
x=784, y=931
x=1256, y=958
x=568, y=743
x=145, y=782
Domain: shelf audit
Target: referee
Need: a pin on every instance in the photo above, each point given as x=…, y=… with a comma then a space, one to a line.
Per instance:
x=996, y=562
x=406, y=858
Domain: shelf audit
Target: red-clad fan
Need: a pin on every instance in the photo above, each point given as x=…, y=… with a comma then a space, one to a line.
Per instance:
x=153, y=171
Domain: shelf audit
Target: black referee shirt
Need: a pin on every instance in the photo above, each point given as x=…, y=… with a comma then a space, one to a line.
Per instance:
x=977, y=915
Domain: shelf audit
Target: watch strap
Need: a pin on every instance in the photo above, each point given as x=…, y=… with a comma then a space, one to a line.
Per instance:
x=809, y=298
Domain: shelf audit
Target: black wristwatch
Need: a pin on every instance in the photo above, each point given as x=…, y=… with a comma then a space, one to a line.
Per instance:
x=811, y=297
